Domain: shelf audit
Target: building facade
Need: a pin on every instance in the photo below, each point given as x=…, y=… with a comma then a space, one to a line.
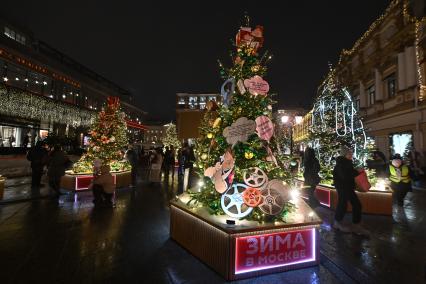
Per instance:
x=153, y=136
x=190, y=109
x=44, y=91
x=385, y=73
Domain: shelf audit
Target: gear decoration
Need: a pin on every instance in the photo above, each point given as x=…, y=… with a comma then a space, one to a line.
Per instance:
x=232, y=201
x=255, y=177
x=272, y=201
x=252, y=197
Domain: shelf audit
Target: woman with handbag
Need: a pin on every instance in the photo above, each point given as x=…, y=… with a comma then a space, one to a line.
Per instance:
x=344, y=175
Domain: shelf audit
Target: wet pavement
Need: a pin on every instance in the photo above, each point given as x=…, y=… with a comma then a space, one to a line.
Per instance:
x=67, y=241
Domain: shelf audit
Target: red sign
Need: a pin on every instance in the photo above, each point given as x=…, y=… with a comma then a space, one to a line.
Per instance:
x=267, y=251
x=83, y=182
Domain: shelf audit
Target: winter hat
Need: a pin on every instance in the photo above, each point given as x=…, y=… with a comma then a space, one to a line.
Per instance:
x=344, y=150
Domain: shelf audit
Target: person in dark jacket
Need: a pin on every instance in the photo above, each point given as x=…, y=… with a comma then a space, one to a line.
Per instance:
x=38, y=158
x=57, y=163
x=132, y=157
x=344, y=175
x=311, y=169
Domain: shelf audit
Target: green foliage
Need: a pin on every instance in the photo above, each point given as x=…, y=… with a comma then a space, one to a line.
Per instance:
x=107, y=142
x=211, y=144
x=171, y=139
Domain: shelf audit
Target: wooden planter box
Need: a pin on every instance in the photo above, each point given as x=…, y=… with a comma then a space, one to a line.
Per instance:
x=248, y=248
x=78, y=182
x=373, y=202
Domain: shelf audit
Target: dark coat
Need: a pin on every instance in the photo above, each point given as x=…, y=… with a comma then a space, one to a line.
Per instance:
x=311, y=170
x=37, y=156
x=57, y=164
x=344, y=174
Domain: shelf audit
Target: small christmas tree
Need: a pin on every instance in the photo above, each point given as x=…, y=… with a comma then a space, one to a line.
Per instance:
x=108, y=140
x=245, y=175
x=335, y=122
x=171, y=139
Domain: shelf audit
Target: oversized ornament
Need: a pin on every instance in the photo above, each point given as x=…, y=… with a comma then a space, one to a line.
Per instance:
x=211, y=106
x=257, y=86
x=264, y=127
x=222, y=174
x=240, y=130
x=232, y=201
x=248, y=155
x=251, y=38
x=281, y=187
x=255, y=177
x=272, y=201
x=217, y=122
x=227, y=89
x=252, y=197
x=241, y=88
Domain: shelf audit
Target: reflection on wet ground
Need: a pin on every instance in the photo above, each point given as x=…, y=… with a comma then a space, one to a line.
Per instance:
x=67, y=241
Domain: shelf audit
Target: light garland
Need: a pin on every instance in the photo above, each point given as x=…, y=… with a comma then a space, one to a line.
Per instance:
x=17, y=103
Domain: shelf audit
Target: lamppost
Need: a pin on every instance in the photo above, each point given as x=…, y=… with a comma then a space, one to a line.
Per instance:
x=290, y=121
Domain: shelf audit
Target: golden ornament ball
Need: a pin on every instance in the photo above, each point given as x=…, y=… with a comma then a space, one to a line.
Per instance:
x=204, y=156
x=248, y=155
x=255, y=68
x=210, y=135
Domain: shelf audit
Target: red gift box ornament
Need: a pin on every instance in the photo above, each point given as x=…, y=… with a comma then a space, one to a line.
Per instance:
x=251, y=38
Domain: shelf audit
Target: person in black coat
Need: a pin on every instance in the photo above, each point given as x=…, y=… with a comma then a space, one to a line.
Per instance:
x=311, y=167
x=38, y=158
x=344, y=175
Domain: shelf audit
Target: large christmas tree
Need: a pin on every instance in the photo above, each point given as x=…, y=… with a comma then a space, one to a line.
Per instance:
x=245, y=176
x=171, y=139
x=336, y=123
x=108, y=140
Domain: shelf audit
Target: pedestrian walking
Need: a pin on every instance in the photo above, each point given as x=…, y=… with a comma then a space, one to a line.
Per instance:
x=103, y=188
x=171, y=162
x=344, y=175
x=399, y=175
x=37, y=155
x=57, y=163
x=156, y=162
x=166, y=162
x=311, y=171
x=132, y=157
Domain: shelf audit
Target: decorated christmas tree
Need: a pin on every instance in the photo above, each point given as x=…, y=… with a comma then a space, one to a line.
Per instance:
x=244, y=173
x=171, y=139
x=335, y=122
x=108, y=140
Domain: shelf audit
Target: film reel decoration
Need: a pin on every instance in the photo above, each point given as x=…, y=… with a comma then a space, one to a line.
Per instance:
x=252, y=197
x=281, y=187
x=274, y=196
x=233, y=203
x=255, y=177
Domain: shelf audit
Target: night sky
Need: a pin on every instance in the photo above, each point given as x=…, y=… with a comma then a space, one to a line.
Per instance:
x=156, y=49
